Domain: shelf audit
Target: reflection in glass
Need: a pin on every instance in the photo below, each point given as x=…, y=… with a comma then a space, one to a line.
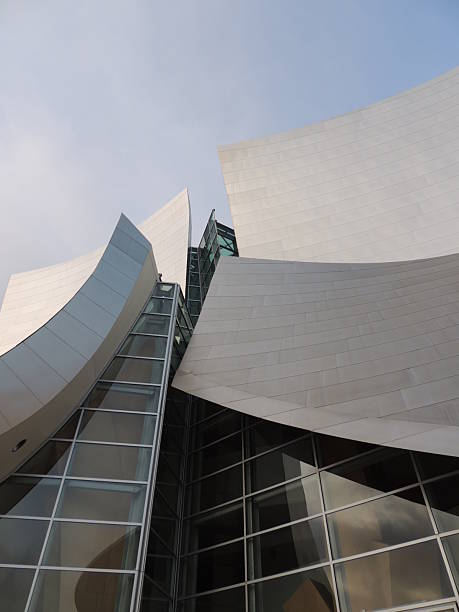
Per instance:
x=214, y=527
x=14, y=588
x=266, y=435
x=284, y=504
x=101, y=501
x=92, y=545
x=67, y=431
x=70, y=591
x=117, y=427
x=115, y=396
x=50, y=459
x=311, y=591
x=215, y=490
x=164, y=290
x=159, y=305
x=110, y=462
x=129, y=369
x=152, y=324
x=216, y=456
x=289, y=548
x=296, y=459
x=214, y=568
x=394, y=578
x=384, y=522
x=28, y=496
x=451, y=544
x=222, y=425
x=21, y=540
x=443, y=496
x=231, y=600
x=144, y=346
x=370, y=475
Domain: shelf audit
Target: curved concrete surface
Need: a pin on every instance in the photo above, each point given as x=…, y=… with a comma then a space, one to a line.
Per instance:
x=378, y=184
x=362, y=351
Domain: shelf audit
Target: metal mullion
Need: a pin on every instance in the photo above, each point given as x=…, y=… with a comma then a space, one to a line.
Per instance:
x=129, y=382
x=96, y=522
x=25, y=517
x=144, y=357
x=59, y=568
x=133, y=333
x=213, y=547
x=278, y=485
x=18, y=566
x=428, y=606
x=222, y=439
x=279, y=447
x=282, y=525
x=207, y=418
x=299, y=570
x=117, y=411
x=224, y=469
x=53, y=514
x=211, y=591
x=107, y=480
x=39, y=476
x=212, y=508
x=241, y=433
x=109, y=443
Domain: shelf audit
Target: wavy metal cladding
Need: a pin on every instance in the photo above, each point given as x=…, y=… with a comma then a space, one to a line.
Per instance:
x=47, y=374
x=377, y=184
x=362, y=351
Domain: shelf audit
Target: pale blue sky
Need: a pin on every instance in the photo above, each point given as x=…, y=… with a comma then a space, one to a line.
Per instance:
x=117, y=105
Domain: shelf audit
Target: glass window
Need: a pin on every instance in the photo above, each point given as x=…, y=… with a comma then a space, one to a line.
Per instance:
x=21, y=540
x=194, y=293
x=266, y=435
x=288, y=548
x=451, y=544
x=367, y=476
x=311, y=591
x=144, y=346
x=202, y=409
x=92, y=545
x=50, y=459
x=110, y=462
x=435, y=465
x=331, y=449
x=67, y=431
x=117, y=427
x=14, y=588
x=215, y=490
x=219, y=455
x=214, y=568
x=159, y=305
x=28, y=496
x=152, y=324
x=220, y=426
x=231, y=600
x=384, y=522
x=164, y=290
x=296, y=459
x=284, y=504
x=101, y=501
x=72, y=591
x=443, y=496
x=113, y=396
x=160, y=568
x=215, y=527
x=135, y=370
x=394, y=578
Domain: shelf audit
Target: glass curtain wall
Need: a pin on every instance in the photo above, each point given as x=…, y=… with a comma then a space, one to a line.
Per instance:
x=277, y=519
x=73, y=518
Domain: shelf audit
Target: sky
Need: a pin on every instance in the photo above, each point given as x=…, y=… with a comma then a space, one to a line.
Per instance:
x=114, y=106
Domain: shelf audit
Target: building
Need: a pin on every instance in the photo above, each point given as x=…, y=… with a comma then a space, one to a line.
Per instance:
x=283, y=438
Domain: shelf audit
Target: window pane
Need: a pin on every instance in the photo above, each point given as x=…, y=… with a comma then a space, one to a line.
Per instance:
x=398, y=577
x=451, y=545
x=265, y=435
x=296, y=459
x=288, y=548
x=370, y=475
x=214, y=568
x=284, y=504
x=331, y=449
x=444, y=499
x=435, y=465
x=14, y=588
x=69, y=428
x=111, y=462
x=152, y=324
x=231, y=600
x=384, y=522
x=217, y=456
x=57, y=591
x=164, y=290
x=311, y=591
x=215, y=527
x=135, y=370
x=144, y=346
x=113, y=396
x=160, y=305
x=215, y=490
x=101, y=501
x=92, y=545
x=26, y=496
x=117, y=427
x=221, y=425
x=21, y=540
x=50, y=459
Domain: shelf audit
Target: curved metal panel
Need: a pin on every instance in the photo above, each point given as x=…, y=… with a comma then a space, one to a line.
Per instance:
x=362, y=351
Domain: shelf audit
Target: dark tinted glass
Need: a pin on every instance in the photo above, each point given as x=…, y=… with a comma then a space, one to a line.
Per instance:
x=111, y=462
x=384, y=522
x=152, y=324
x=159, y=305
x=289, y=548
x=296, y=459
x=21, y=540
x=14, y=588
x=28, y=496
x=50, y=459
x=201, y=409
x=231, y=600
x=331, y=449
x=134, y=370
x=367, y=476
x=435, y=465
x=311, y=591
x=114, y=396
x=221, y=425
x=451, y=544
x=69, y=428
x=284, y=504
x=215, y=527
x=218, y=455
x=394, y=578
x=72, y=591
x=265, y=435
x=444, y=498
x=160, y=567
x=144, y=346
x=215, y=490
x=117, y=427
x=214, y=568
